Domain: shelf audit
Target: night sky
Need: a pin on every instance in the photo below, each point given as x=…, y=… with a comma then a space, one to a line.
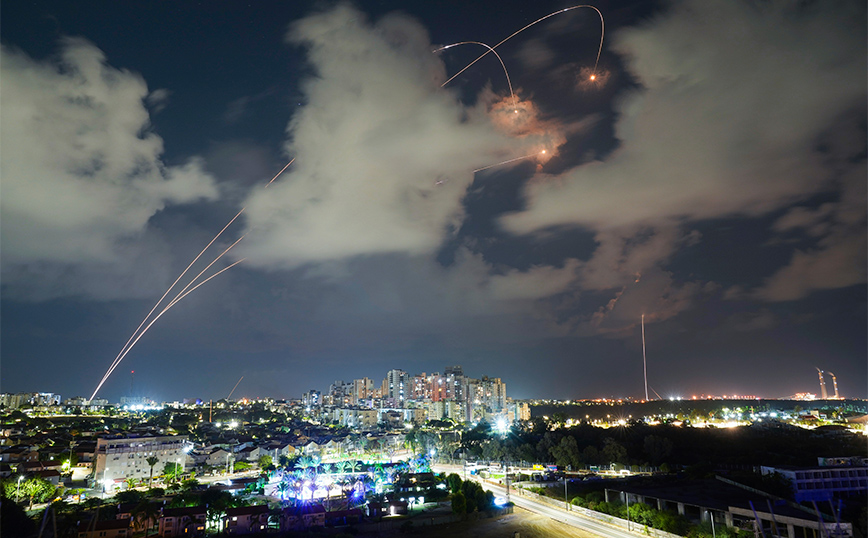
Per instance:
x=712, y=177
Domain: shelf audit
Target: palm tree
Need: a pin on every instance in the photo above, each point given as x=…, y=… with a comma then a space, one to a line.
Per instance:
x=151, y=460
x=282, y=488
x=144, y=515
x=304, y=462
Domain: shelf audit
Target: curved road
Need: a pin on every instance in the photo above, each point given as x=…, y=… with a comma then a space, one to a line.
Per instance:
x=570, y=518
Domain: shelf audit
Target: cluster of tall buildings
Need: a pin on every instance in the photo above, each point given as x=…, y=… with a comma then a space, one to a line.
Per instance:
x=449, y=395
x=28, y=399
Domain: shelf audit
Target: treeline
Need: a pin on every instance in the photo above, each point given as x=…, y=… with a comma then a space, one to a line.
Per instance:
x=644, y=445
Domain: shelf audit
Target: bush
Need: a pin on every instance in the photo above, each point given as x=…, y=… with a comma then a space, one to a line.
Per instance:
x=459, y=503
x=129, y=496
x=641, y=514
x=469, y=495
x=454, y=482
x=672, y=522
x=155, y=492
x=613, y=509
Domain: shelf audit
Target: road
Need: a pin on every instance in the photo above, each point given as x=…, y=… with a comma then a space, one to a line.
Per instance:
x=558, y=514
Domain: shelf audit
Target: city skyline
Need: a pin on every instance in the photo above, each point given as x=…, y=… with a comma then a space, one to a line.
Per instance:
x=711, y=178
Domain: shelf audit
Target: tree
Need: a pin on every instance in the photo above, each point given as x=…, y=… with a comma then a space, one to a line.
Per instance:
x=151, y=460
x=459, y=503
x=471, y=491
x=189, y=484
x=266, y=462
x=217, y=502
x=484, y=499
x=144, y=515
x=591, y=455
x=566, y=452
x=282, y=489
x=657, y=448
x=129, y=496
x=614, y=451
x=37, y=489
x=173, y=471
x=642, y=514
x=454, y=483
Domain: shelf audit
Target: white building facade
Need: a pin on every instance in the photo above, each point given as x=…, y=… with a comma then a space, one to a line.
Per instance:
x=121, y=458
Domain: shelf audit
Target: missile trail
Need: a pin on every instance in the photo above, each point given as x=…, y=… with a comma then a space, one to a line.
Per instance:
x=163, y=311
x=133, y=338
x=490, y=49
x=508, y=161
x=599, y=50
x=157, y=304
x=139, y=332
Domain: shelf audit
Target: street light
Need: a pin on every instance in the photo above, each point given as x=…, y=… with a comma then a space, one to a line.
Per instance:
x=18, y=491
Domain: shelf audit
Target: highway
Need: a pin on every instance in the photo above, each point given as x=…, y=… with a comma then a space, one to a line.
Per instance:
x=559, y=514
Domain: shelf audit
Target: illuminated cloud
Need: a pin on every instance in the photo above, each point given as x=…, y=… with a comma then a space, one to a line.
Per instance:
x=733, y=99
x=82, y=173
x=384, y=156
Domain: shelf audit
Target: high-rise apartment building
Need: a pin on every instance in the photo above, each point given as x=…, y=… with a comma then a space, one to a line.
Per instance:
x=311, y=399
x=454, y=382
x=485, y=397
x=363, y=389
x=398, y=383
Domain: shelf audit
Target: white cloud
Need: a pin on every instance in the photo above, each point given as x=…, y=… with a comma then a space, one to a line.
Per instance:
x=81, y=172
x=734, y=98
x=383, y=155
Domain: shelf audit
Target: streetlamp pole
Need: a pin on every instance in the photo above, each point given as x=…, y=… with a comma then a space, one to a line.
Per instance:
x=18, y=491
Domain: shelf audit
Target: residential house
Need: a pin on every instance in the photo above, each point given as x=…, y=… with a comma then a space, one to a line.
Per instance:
x=246, y=520
x=248, y=453
x=276, y=449
x=113, y=528
x=19, y=453
x=302, y=517
x=128, y=511
x=218, y=456
x=182, y=522
x=340, y=518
